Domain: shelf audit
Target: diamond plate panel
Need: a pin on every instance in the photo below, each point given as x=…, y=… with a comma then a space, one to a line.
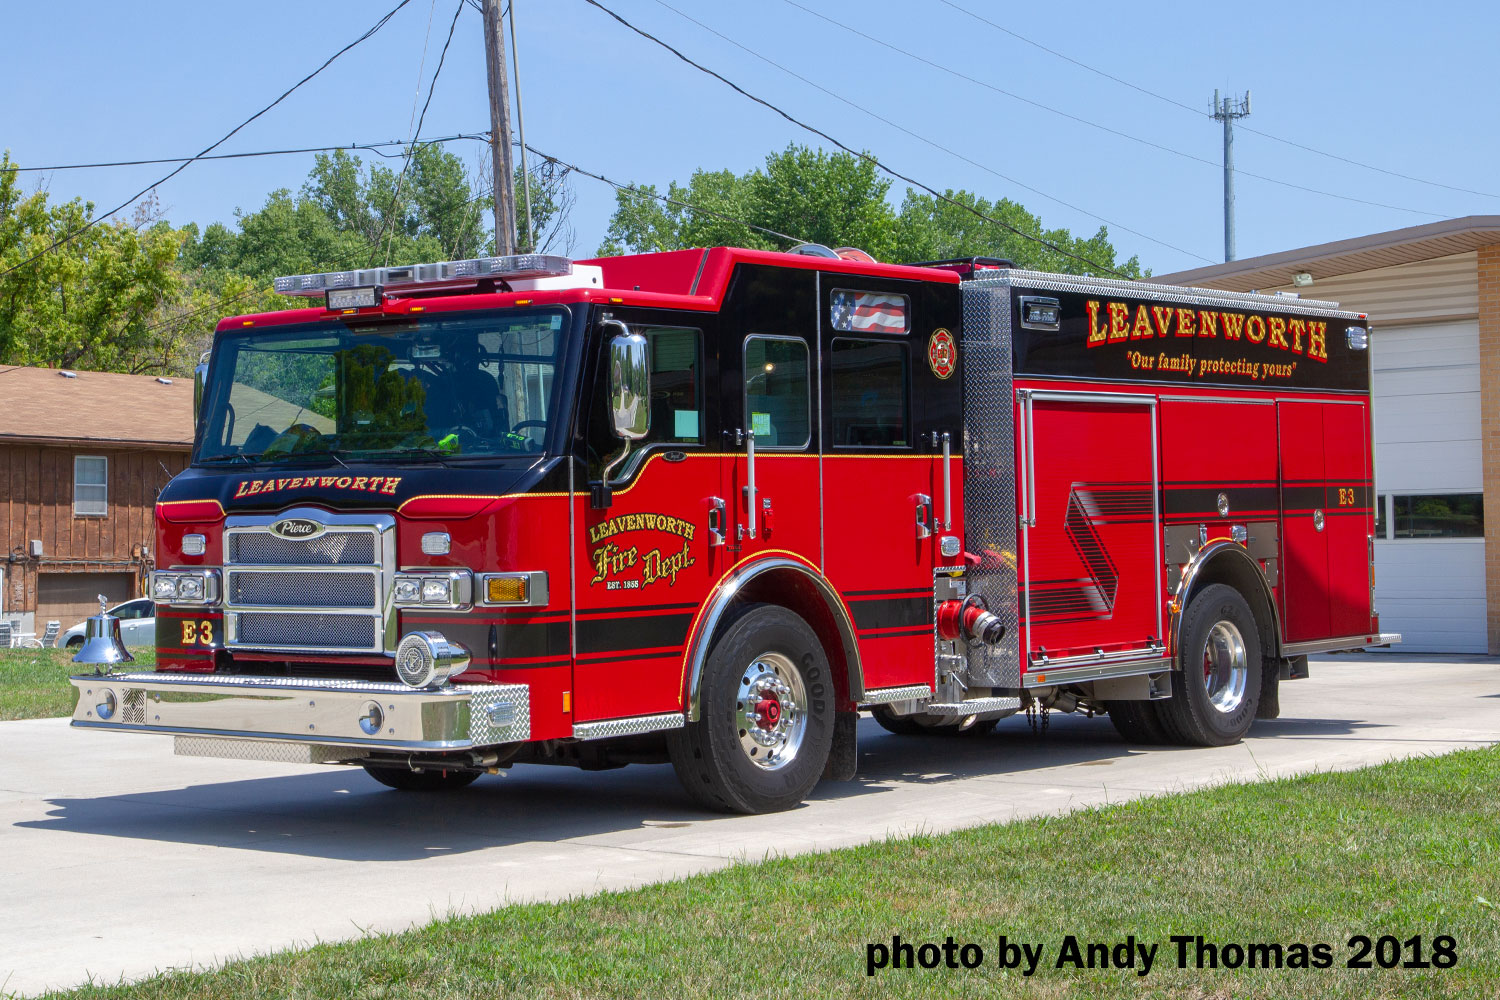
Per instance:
x=499, y=713
x=271, y=750
x=989, y=475
x=633, y=726
x=884, y=696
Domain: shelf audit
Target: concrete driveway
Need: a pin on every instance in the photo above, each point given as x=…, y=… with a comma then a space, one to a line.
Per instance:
x=118, y=859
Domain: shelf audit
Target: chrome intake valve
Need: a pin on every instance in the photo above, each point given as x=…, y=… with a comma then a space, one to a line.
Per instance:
x=971, y=620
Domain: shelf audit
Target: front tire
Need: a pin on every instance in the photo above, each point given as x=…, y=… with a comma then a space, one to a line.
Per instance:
x=766, y=714
x=1216, y=701
x=431, y=780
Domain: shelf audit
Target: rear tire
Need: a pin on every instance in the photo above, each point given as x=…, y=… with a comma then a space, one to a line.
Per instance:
x=1219, y=690
x=1137, y=722
x=431, y=780
x=766, y=715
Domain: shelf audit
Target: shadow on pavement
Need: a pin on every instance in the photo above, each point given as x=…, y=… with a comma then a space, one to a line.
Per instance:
x=343, y=814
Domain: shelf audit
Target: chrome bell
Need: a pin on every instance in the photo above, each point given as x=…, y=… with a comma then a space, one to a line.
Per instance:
x=102, y=642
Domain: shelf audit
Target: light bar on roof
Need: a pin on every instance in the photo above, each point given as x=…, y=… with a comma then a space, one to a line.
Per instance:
x=455, y=273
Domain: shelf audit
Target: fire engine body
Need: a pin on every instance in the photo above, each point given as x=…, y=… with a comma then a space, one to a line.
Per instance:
x=707, y=505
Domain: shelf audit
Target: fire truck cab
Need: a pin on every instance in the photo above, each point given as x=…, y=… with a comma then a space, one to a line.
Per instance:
x=706, y=506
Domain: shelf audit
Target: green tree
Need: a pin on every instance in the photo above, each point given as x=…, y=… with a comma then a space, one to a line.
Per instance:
x=109, y=298
x=839, y=199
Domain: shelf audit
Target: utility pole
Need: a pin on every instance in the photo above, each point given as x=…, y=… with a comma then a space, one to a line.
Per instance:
x=1227, y=111
x=515, y=58
x=505, y=176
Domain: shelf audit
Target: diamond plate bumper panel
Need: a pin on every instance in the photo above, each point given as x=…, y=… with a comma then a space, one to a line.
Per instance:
x=297, y=710
x=269, y=750
x=884, y=696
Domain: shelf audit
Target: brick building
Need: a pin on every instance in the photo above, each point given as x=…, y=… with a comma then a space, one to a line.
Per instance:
x=1433, y=296
x=82, y=458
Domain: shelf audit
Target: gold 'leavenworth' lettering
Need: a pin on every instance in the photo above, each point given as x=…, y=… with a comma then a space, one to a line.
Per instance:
x=1112, y=322
x=368, y=484
x=641, y=522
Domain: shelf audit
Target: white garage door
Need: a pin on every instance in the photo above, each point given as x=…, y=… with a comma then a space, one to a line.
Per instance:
x=1429, y=554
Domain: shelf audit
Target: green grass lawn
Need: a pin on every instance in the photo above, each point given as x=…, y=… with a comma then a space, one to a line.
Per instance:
x=34, y=682
x=1408, y=848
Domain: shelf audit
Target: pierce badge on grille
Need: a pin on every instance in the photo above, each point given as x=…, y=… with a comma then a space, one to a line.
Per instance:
x=296, y=527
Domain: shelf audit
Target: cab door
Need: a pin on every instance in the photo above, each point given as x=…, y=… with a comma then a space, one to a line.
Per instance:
x=885, y=510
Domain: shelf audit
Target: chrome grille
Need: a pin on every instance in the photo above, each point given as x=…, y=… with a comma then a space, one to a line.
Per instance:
x=332, y=548
x=324, y=594
x=251, y=588
x=305, y=631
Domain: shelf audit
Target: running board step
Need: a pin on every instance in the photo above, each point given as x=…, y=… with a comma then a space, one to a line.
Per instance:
x=974, y=706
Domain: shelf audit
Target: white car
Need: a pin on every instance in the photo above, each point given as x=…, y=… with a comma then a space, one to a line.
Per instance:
x=137, y=625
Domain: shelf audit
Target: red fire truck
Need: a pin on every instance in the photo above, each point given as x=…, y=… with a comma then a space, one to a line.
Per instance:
x=706, y=506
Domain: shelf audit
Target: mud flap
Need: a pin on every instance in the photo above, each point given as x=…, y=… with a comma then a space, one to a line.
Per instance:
x=843, y=755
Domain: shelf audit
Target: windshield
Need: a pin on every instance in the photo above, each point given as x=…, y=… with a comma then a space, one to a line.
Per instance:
x=435, y=388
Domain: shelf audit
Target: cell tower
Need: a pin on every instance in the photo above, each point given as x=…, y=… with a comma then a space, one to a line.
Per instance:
x=1226, y=111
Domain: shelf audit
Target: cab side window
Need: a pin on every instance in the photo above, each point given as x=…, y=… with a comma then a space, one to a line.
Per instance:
x=777, y=404
x=676, y=401
x=871, y=401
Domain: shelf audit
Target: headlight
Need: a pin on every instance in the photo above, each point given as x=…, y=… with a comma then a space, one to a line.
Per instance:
x=199, y=586
x=434, y=588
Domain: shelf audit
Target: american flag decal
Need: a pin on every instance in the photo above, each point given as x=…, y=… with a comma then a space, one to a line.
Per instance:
x=869, y=312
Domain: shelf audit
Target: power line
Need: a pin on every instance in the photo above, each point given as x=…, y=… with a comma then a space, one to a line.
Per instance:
x=853, y=152
x=374, y=147
x=1096, y=125
x=1197, y=111
x=934, y=144
x=416, y=132
x=184, y=165
x=631, y=189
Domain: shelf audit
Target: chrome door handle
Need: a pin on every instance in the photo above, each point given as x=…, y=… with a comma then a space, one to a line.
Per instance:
x=924, y=516
x=715, y=522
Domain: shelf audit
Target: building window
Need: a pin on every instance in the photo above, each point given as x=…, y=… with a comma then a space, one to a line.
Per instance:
x=869, y=394
x=1438, y=515
x=1380, y=516
x=90, y=486
x=776, y=392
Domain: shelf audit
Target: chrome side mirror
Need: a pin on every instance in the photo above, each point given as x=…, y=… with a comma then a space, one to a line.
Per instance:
x=629, y=397
x=629, y=384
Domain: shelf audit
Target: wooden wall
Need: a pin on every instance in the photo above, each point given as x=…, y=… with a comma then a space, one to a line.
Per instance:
x=36, y=502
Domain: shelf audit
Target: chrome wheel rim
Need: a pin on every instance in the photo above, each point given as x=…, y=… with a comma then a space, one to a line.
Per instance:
x=771, y=711
x=1226, y=669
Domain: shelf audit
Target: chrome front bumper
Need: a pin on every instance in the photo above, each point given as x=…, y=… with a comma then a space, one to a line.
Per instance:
x=307, y=712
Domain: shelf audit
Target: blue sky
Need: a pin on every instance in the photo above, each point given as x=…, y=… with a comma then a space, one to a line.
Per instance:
x=1404, y=88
